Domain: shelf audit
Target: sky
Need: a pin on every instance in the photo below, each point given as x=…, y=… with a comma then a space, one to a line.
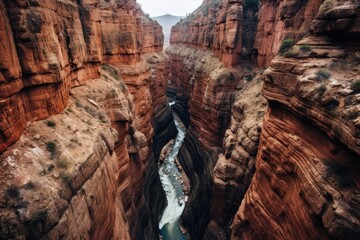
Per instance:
x=174, y=7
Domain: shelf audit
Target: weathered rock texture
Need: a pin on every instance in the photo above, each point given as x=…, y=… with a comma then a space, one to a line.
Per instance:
x=205, y=92
x=306, y=184
x=235, y=166
x=54, y=45
x=218, y=35
x=58, y=186
x=89, y=171
x=279, y=20
x=225, y=27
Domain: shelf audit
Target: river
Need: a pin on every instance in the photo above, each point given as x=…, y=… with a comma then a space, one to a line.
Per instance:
x=171, y=180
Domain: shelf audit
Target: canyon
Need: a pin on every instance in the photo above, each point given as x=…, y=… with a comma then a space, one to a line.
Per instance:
x=268, y=93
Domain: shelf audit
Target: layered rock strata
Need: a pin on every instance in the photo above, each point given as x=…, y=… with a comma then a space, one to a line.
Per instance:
x=61, y=187
x=54, y=45
x=104, y=173
x=306, y=183
x=205, y=92
x=279, y=20
x=218, y=35
x=235, y=165
x=310, y=134
x=224, y=27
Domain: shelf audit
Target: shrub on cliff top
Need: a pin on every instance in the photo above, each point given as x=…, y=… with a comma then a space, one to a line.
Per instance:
x=322, y=74
x=51, y=147
x=286, y=45
x=62, y=162
x=50, y=123
x=12, y=192
x=66, y=177
x=112, y=71
x=355, y=86
x=305, y=48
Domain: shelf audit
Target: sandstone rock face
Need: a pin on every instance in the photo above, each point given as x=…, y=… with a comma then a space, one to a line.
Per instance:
x=102, y=181
x=205, y=92
x=279, y=20
x=54, y=45
x=306, y=183
x=205, y=45
x=56, y=186
x=235, y=166
x=221, y=27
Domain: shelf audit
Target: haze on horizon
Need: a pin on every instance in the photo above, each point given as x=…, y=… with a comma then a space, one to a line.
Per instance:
x=174, y=7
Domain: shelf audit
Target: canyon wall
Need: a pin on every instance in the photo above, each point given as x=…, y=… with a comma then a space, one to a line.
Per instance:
x=306, y=184
x=205, y=47
x=225, y=27
x=96, y=71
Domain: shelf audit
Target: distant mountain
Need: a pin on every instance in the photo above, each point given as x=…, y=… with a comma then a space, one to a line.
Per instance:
x=167, y=21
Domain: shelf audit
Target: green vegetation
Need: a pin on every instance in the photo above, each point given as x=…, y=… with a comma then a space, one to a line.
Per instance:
x=113, y=72
x=13, y=192
x=113, y=93
x=249, y=78
x=286, y=45
x=321, y=90
x=51, y=147
x=305, y=48
x=322, y=74
x=62, y=162
x=39, y=215
x=90, y=111
x=66, y=177
x=292, y=52
x=50, y=123
x=355, y=86
x=78, y=104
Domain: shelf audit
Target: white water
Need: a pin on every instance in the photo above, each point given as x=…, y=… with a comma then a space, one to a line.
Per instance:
x=171, y=181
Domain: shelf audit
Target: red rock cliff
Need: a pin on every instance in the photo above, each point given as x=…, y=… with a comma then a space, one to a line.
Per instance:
x=220, y=27
x=90, y=168
x=204, y=46
x=53, y=45
x=306, y=184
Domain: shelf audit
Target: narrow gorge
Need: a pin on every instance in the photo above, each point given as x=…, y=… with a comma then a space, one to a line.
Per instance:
x=246, y=127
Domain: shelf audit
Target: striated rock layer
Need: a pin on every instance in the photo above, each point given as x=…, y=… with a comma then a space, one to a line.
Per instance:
x=227, y=28
x=90, y=170
x=205, y=92
x=54, y=45
x=306, y=184
x=235, y=166
x=219, y=162
x=279, y=20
